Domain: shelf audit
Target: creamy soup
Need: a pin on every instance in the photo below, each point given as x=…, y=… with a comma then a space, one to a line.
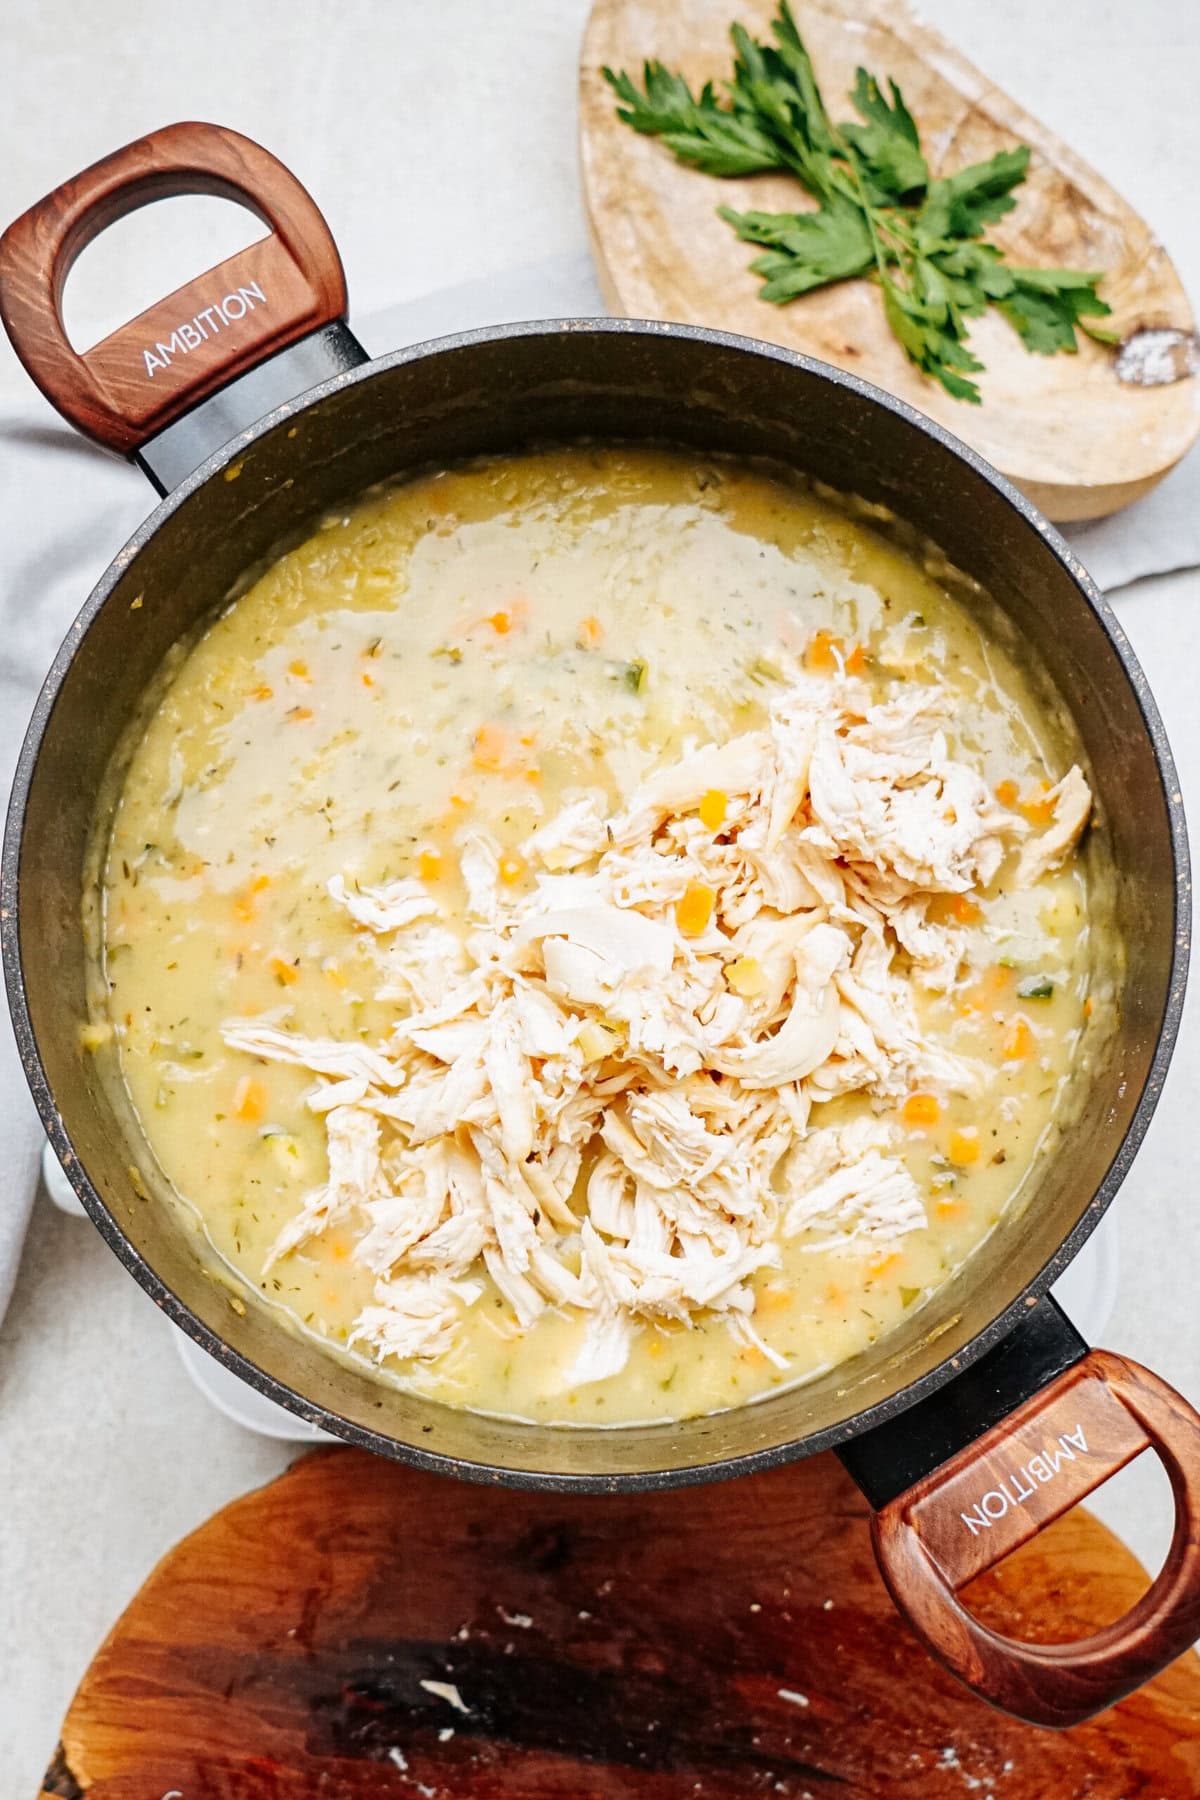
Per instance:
x=597, y=934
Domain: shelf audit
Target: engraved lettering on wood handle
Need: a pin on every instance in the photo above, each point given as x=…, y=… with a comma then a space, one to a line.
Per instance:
x=129, y=387
x=969, y=1513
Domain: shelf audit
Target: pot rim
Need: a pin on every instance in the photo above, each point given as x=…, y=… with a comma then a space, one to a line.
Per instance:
x=956, y=1359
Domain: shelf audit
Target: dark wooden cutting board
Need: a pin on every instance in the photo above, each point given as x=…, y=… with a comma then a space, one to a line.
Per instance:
x=320, y=1638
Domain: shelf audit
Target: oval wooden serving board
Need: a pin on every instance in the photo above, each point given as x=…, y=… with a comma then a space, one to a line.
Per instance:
x=1075, y=438
x=356, y=1629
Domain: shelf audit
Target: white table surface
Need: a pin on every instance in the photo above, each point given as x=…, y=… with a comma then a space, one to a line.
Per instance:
x=440, y=142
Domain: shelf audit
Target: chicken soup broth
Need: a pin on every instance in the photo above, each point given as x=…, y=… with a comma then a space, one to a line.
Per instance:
x=597, y=933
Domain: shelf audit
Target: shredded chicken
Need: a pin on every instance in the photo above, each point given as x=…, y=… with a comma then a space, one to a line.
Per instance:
x=604, y=1099
x=1072, y=803
x=843, y=1180
x=355, y=1178
x=414, y=1316
x=383, y=909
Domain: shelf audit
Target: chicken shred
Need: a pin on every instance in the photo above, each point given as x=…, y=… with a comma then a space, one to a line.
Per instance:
x=573, y=1096
x=383, y=909
x=1072, y=803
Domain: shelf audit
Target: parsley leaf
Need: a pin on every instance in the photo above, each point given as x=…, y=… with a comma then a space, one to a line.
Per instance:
x=807, y=250
x=961, y=205
x=878, y=212
x=698, y=131
x=777, y=88
x=928, y=334
x=887, y=145
x=1045, y=306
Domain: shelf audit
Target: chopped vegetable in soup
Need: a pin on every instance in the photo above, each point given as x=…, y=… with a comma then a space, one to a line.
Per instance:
x=598, y=933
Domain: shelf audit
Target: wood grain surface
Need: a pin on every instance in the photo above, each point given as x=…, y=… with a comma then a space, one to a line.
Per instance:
x=356, y=1629
x=173, y=355
x=963, y=1518
x=984, y=1503
x=1077, y=440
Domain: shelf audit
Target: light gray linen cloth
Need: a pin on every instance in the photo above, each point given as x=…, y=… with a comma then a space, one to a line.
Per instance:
x=66, y=508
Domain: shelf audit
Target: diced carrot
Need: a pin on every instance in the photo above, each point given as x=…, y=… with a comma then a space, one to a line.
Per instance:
x=492, y=748
x=750, y=1353
x=1036, y=807
x=821, y=657
x=502, y=751
x=591, y=633
x=950, y=1209
x=460, y=800
x=1089, y=1007
x=249, y=1098
x=504, y=619
x=966, y=910
x=300, y=669
x=244, y=907
x=885, y=1265
x=1007, y=793
x=283, y=971
x=712, y=809
x=299, y=712
x=772, y=1299
x=429, y=865
x=655, y=1347
x=1019, y=1041
x=964, y=1146
x=856, y=662
x=261, y=691
x=987, y=992
x=694, y=910
x=367, y=679
x=921, y=1109
x=511, y=870
x=339, y=1250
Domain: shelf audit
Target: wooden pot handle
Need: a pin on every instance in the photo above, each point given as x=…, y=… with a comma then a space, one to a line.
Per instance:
x=999, y=1492
x=141, y=378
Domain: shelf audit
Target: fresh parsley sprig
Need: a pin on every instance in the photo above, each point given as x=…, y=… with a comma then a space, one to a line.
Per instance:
x=878, y=213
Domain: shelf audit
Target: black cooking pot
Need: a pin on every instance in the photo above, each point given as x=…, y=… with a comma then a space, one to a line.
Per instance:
x=981, y=1417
